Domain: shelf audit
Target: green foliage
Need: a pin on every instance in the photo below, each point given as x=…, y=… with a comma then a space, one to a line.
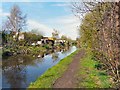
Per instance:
x=99, y=34
x=88, y=30
x=47, y=46
x=63, y=37
x=90, y=76
x=31, y=37
x=4, y=37
x=91, y=24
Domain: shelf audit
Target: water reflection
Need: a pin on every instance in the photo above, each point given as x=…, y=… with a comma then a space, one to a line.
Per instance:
x=16, y=77
x=18, y=71
x=55, y=56
x=14, y=71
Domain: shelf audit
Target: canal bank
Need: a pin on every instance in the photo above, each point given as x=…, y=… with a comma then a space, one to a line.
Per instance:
x=78, y=70
x=51, y=75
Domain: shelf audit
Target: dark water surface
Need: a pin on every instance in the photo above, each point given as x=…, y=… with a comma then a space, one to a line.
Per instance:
x=19, y=71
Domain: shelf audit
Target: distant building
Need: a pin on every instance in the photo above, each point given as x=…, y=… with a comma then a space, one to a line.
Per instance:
x=39, y=43
x=21, y=35
x=45, y=40
x=33, y=44
x=48, y=40
x=60, y=41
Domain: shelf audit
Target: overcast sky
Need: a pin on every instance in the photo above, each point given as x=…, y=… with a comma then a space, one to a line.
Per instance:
x=46, y=16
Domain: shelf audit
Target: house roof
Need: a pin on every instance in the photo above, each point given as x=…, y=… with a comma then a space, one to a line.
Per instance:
x=49, y=38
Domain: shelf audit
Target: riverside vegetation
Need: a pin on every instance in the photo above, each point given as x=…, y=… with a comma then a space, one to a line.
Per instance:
x=99, y=34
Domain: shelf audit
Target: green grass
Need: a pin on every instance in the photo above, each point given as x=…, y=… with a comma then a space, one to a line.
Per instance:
x=51, y=75
x=90, y=77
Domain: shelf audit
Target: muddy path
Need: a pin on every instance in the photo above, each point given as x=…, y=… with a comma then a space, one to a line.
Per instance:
x=68, y=79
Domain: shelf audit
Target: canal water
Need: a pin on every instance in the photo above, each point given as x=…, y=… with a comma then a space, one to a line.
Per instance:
x=19, y=71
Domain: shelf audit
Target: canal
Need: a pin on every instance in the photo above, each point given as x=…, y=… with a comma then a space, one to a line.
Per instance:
x=20, y=70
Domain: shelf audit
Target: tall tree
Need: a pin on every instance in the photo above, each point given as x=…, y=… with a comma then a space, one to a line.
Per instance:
x=64, y=37
x=16, y=20
x=55, y=34
x=100, y=33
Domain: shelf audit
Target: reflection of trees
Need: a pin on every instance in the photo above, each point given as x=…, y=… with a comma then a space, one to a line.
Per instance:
x=16, y=76
x=66, y=50
x=14, y=70
x=55, y=56
x=50, y=51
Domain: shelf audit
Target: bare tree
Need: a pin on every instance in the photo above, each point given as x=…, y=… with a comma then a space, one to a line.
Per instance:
x=16, y=20
x=55, y=34
x=79, y=9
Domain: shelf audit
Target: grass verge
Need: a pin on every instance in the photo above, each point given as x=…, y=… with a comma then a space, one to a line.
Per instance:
x=90, y=77
x=51, y=75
